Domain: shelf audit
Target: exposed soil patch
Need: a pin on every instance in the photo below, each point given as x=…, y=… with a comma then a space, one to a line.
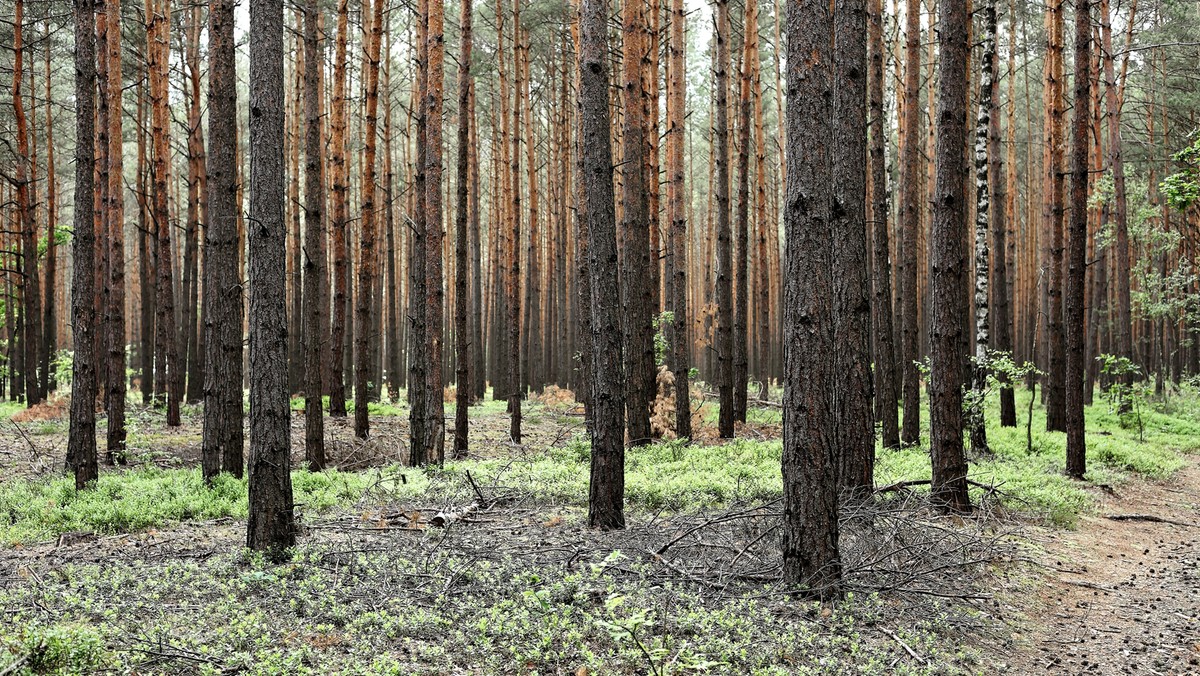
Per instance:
x=1122, y=596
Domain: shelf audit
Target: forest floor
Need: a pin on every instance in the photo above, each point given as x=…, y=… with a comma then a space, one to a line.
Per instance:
x=1120, y=593
x=486, y=566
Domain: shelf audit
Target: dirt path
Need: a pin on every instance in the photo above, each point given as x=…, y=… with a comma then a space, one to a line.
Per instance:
x=1123, y=596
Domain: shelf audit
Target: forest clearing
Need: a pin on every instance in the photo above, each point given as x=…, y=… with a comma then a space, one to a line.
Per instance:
x=599, y=337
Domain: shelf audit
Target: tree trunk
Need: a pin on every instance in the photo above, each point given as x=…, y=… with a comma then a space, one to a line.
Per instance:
x=606, y=493
x=224, y=441
x=50, y=316
x=677, y=215
x=948, y=266
x=635, y=229
x=81, y=441
x=886, y=393
x=170, y=375
x=462, y=334
x=810, y=448
x=850, y=262
x=1053, y=222
x=340, y=218
x=270, y=527
x=741, y=241
x=417, y=343
x=1077, y=243
x=366, y=261
x=316, y=274
x=724, y=283
x=910, y=226
x=435, y=300
x=196, y=190
x=31, y=312
x=983, y=153
x=1001, y=316
x=514, y=244
x=114, y=402
x=1112, y=101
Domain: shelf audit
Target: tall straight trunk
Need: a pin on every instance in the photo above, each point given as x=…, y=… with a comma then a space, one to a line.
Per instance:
x=478, y=377
x=81, y=441
x=850, y=262
x=270, y=527
x=1123, y=324
x=725, y=272
x=910, y=226
x=513, y=299
x=606, y=493
x=417, y=343
x=435, y=300
x=316, y=273
x=635, y=229
x=531, y=369
x=223, y=441
x=462, y=334
x=31, y=312
x=1077, y=243
x=1001, y=312
x=948, y=266
x=170, y=375
x=114, y=402
x=886, y=393
x=1053, y=221
x=293, y=117
x=368, y=224
x=50, y=315
x=983, y=153
x=680, y=360
x=340, y=218
x=741, y=243
x=810, y=461
x=583, y=275
x=146, y=296
x=196, y=188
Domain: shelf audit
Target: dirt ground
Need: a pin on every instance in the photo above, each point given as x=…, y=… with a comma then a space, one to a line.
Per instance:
x=1121, y=596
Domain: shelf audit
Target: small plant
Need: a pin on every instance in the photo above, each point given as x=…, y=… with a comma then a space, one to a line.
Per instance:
x=1126, y=392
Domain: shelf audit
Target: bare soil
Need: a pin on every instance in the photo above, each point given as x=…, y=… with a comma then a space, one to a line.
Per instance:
x=1121, y=595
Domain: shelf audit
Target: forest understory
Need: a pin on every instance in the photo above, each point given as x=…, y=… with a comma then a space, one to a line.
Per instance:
x=486, y=564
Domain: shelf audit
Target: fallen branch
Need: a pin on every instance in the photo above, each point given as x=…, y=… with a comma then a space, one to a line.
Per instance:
x=444, y=519
x=1147, y=517
x=908, y=649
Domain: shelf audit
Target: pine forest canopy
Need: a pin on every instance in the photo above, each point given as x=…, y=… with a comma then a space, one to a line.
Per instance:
x=637, y=202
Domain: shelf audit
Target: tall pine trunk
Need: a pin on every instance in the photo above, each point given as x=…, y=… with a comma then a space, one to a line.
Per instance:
x=1077, y=244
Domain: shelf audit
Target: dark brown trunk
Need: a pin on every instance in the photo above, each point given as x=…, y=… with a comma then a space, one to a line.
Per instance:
x=316, y=273
x=462, y=334
x=724, y=282
x=81, y=441
x=810, y=448
x=1077, y=243
x=680, y=360
x=270, y=527
x=435, y=300
x=949, y=265
x=606, y=494
x=910, y=226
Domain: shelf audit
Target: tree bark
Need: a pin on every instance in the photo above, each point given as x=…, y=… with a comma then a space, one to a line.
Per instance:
x=948, y=265
x=81, y=441
x=435, y=300
x=886, y=391
x=169, y=376
x=741, y=237
x=635, y=229
x=316, y=274
x=724, y=282
x=462, y=334
x=606, y=501
x=368, y=224
x=810, y=441
x=340, y=218
x=1053, y=222
x=677, y=215
x=850, y=262
x=270, y=527
x=1077, y=243
x=31, y=312
x=983, y=153
x=910, y=226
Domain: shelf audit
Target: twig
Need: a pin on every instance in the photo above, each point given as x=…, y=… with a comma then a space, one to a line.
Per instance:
x=1147, y=517
x=908, y=649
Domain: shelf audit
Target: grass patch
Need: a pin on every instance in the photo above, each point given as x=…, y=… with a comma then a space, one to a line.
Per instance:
x=37, y=510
